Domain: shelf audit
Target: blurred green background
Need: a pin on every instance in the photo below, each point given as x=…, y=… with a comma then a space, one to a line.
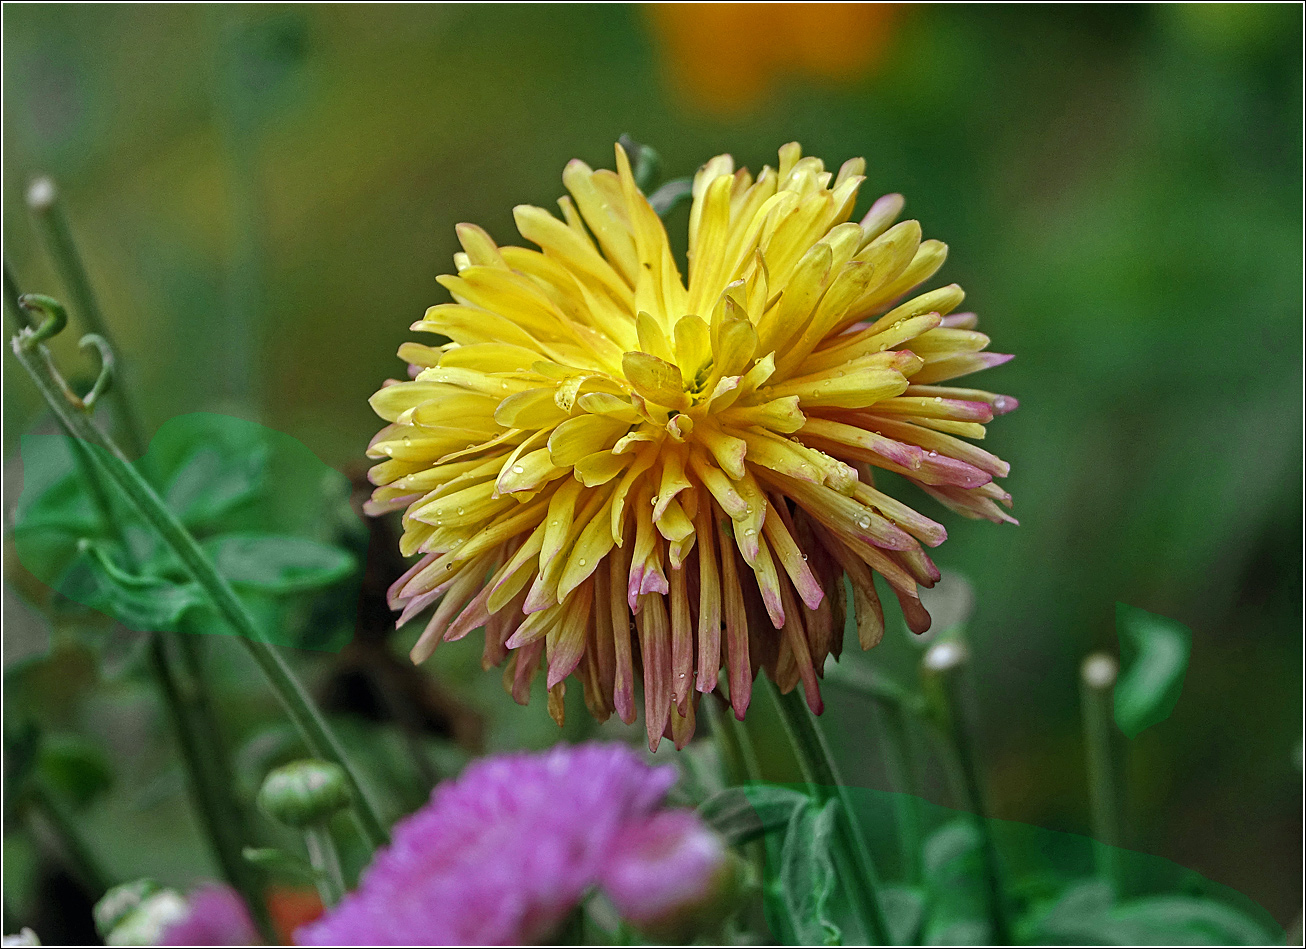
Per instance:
x=265, y=196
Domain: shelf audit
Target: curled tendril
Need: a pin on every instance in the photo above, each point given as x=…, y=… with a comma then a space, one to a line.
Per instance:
x=55, y=319
x=105, y=378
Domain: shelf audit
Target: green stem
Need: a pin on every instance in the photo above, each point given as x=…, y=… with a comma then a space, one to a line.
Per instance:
x=1105, y=766
x=223, y=819
x=317, y=735
x=43, y=199
x=82, y=862
x=325, y=859
x=211, y=782
x=901, y=765
x=945, y=662
x=817, y=765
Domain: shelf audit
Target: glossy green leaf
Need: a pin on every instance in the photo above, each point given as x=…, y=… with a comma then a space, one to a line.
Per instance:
x=953, y=878
x=807, y=877
x=741, y=814
x=276, y=563
x=1154, y=652
x=280, y=864
x=141, y=602
x=1087, y=913
x=904, y=911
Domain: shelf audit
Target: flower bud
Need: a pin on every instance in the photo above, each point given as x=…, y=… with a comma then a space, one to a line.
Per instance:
x=671, y=875
x=304, y=793
x=138, y=913
x=119, y=902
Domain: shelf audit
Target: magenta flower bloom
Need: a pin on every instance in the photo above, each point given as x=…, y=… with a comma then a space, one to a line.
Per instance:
x=215, y=916
x=502, y=854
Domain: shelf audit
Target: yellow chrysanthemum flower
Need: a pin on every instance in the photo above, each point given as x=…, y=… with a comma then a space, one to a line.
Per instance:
x=603, y=443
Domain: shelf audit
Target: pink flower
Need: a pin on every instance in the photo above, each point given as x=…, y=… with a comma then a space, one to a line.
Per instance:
x=504, y=853
x=215, y=916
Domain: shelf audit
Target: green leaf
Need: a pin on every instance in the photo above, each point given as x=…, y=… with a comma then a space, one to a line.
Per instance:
x=1086, y=913
x=904, y=911
x=278, y=863
x=741, y=814
x=140, y=602
x=1155, y=651
x=807, y=877
x=953, y=873
x=1188, y=920
x=276, y=563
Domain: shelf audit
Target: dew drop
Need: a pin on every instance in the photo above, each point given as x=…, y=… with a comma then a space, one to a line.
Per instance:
x=750, y=532
x=938, y=398
x=864, y=522
x=934, y=454
x=804, y=556
x=518, y=469
x=503, y=385
x=553, y=523
x=1002, y=404
x=461, y=510
x=407, y=440
x=840, y=373
x=582, y=561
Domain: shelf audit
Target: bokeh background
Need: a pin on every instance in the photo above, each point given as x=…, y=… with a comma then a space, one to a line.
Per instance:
x=265, y=196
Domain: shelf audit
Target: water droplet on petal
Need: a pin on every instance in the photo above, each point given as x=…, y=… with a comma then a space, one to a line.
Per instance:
x=864, y=522
x=938, y=398
x=461, y=510
x=750, y=532
x=582, y=561
x=407, y=440
x=518, y=469
x=933, y=454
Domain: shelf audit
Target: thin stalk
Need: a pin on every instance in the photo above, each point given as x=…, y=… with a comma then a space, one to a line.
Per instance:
x=223, y=820
x=313, y=728
x=1105, y=765
x=43, y=199
x=901, y=765
x=817, y=765
x=732, y=760
x=204, y=754
x=944, y=663
x=81, y=860
x=325, y=859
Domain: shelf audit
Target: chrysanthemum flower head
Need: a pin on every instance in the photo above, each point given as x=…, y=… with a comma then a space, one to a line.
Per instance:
x=504, y=853
x=605, y=443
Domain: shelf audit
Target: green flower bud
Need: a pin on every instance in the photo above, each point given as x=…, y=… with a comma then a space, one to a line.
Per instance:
x=120, y=902
x=136, y=914
x=304, y=793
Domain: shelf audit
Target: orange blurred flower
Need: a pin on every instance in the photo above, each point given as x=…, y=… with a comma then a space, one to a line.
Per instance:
x=725, y=56
x=291, y=907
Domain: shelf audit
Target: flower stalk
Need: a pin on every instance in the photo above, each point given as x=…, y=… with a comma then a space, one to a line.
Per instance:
x=1105, y=765
x=943, y=666
x=43, y=201
x=313, y=728
x=906, y=780
x=818, y=768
